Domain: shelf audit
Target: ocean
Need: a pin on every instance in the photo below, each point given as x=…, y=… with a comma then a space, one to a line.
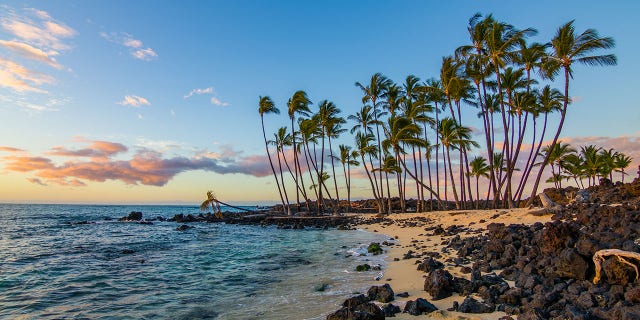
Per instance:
x=53, y=267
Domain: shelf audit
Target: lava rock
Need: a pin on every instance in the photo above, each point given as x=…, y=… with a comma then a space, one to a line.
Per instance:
x=439, y=284
x=390, y=310
x=382, y=293
x=471, y=305
x=419, y=307
x=429, y=264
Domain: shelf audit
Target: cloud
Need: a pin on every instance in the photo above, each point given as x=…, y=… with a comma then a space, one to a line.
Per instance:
x=37, y=37
x=216, y=102
x=36, y=181
x=199, y=91
x=32, y=53
x=10, y=149
x=134, y=101
x=146, y=167
x=208, y=91
x=19, y=78
x=97, y=150
x=135, y=46
x=38, y=29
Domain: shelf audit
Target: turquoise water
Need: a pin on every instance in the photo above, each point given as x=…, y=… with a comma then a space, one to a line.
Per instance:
x=50, y=269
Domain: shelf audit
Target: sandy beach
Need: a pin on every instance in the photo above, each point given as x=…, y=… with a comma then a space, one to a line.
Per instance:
x=409, y=231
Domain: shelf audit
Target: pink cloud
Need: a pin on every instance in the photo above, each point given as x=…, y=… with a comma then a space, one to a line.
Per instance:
x=10, y=149
x=146, y=167
x=97, y=149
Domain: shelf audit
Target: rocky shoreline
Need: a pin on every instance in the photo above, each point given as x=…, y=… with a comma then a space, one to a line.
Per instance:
x=537, y=271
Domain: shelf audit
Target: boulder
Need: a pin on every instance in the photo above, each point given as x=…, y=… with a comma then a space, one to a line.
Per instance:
x=133, y=216
x=382, y=293
x=471, y=305
x=419, y=307
x=439, y=284
x=390, y=310
x=571, y=265
x=429, y=264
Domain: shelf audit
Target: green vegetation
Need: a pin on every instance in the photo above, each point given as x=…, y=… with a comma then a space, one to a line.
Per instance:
x=363, y=267
x=374, y=248
x=500, y=76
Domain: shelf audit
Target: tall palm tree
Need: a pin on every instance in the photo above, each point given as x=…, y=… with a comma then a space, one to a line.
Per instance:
x=266, y=106
x=297, y=104
x=549, y=100
x=479, y=168
x=347, y=159
x=568, y=48
x=621, y=162
x=372, y=92
x=281, y=139
x=365, y=147
x=330, y=125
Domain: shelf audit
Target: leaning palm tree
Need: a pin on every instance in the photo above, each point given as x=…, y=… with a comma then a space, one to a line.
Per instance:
x=281, y=139
x=347, y=160
x=212, y=202
x=621, y=162
x=568, y=48
x=479, y=168
x=365, y=147
x=372, y=92
x=266, y=105
x=297, y=104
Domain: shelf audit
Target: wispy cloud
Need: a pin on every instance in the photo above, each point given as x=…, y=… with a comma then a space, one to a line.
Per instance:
x=134, y=101
x=136, y=47
x=36, y=37
x=37, y=181
x=146, y=167
x=207, y=91
x=31, y=52
x=10, y=149
x=96, y=150
x=38, y=28
x=17, y=77
x=216, y=102
x=199, y=91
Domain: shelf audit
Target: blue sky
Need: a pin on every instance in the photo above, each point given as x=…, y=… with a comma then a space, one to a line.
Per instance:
x=180, y=81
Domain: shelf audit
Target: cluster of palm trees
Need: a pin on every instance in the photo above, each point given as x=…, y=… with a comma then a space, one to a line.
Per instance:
x=589, y=162
x=414, y=130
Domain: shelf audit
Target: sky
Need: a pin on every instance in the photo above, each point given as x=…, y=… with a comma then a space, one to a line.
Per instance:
x=156, y=101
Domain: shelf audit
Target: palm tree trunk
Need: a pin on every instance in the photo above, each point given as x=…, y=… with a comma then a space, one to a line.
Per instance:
x=453, y=184
x=320, y=181
x=335, y=180
x=373, y=186
x=266, y=146
x=287, y=209
x=555, y=138
x=307, y=156
x=295, y=164
x=404, y=166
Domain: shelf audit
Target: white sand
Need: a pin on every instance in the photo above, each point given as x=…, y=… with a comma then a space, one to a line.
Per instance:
x=403, y=275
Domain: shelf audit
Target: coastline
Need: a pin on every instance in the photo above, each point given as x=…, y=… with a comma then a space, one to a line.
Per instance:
x=409, y=231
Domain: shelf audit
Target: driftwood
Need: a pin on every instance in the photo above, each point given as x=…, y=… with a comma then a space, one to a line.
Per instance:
x=599, y=256
x=548, y=206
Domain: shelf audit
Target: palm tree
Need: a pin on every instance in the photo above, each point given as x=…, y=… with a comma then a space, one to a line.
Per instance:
x=365, y=147
x=447, y=130
x=329, y=126
x=621, y=162
x=592, y=162
x=568, y=48
x=347, y=158
x=556, y=155
x=212, y=202
x=549, y=100
x=281, y=139
x=479, y=168
x=607, y=163
x=266, y=106
x=372, y=92
x=297, y=104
